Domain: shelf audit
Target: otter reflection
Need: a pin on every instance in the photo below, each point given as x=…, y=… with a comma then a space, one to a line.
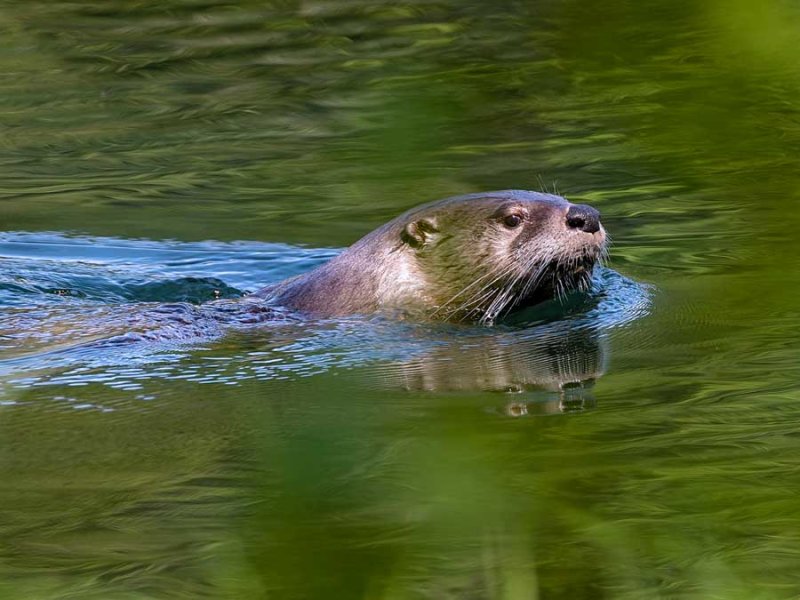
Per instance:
x=551, y=358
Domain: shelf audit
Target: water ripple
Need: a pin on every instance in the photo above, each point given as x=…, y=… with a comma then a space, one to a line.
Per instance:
x=120, y=313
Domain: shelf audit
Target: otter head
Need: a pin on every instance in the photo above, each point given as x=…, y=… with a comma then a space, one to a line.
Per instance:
x=485, y=255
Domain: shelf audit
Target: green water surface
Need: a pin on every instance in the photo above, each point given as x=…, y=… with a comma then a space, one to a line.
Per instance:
x=308, y=123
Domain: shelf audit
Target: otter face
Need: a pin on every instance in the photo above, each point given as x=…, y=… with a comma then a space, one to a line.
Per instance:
x=491, y=254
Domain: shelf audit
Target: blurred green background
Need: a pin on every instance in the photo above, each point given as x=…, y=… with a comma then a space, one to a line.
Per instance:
x=313, y=122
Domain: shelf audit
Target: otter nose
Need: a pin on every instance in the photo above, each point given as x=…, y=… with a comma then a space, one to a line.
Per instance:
x=583, y=217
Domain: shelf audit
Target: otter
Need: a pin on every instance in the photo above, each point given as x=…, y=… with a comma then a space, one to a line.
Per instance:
x=472, y=258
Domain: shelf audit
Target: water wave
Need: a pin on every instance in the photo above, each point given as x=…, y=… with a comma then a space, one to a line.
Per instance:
x=80, y=311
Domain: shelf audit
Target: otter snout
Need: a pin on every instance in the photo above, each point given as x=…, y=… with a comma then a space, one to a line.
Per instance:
x=584, y=218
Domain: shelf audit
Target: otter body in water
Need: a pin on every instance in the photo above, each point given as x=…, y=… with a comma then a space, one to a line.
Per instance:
x=466, y=258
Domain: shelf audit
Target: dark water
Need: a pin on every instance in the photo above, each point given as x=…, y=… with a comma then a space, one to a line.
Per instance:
x=638, y=443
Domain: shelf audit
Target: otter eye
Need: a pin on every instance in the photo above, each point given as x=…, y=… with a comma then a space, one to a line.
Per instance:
x=512, y=221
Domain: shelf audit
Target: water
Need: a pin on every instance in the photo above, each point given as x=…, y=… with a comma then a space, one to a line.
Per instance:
x=164, y=437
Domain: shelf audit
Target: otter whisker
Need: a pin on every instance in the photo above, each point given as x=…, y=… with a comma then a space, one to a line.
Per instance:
x=498, y=272
x=482, y=293
x=474, y=303
x=495, y=295
x=535, y=279
x=602, y=257
x=499, y=301
x=488, y=294
x=508, y=295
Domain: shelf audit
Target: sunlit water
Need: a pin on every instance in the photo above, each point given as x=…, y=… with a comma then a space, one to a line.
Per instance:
x=164, y=435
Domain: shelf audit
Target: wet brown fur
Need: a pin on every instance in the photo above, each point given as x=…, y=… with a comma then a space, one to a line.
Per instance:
x=453, y=260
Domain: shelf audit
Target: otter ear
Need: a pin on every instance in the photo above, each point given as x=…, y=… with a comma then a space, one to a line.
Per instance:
x=419, y=233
